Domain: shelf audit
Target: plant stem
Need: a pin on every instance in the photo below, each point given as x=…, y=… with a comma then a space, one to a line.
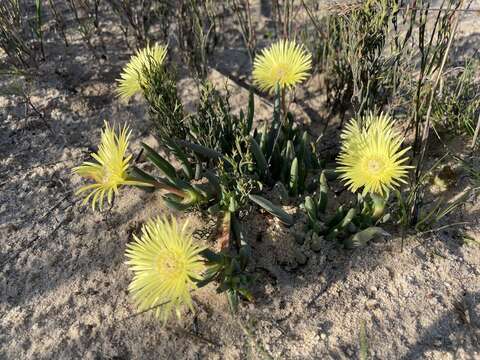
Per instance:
x=475, y=135
x=426, y=129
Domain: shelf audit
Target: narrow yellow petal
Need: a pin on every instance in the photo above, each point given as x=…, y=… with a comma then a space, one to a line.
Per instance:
x=110, y=169
x=164, y=260
x=284, y=63
x=371, y=158
x=132, y=78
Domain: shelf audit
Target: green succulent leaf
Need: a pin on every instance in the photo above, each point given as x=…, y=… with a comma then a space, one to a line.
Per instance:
x=165, y=167
x=233, y=301
x=237, y=231
x=294, y=177
x=182, y=157
x=273, y=209
x=306, y=149
x=262, y=166
x=332, y=235
x=361, y=238
x=335, y=220
x=139, y=174
x=311, y=209
x=290, y=151
x=213, y=182
x=157, y=183
x=244, y=255
x=277, y=105
x=323, y=194
x=201, y=150
x=330, y=174
x=211, y=256
x=174, y=204
x=251, y=111
x=347, y=219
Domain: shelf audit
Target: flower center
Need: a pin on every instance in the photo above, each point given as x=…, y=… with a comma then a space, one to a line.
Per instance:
x=106, y=176
x=169, y=265
x=375, y=165
x=112, y=174
x=281, y=71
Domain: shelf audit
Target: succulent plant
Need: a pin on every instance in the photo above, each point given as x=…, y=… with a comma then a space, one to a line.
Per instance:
x=229, y=272
x=165, y=108
x=283, y=152
x=179, y=190
x=353, y=225
x=273, y=209
x=214, y=125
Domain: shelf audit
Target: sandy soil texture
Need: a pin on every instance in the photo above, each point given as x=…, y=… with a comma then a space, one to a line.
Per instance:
x=63, y=279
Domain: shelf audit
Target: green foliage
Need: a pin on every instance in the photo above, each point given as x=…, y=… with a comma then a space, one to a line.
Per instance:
x=431, y=50
x=315, y=207
x=361, y=70
x=229, y=272
x=284, y=153
x=273, y=209
x=138, y=16
x=165, y=107
x=363, y=355
x=456, y=106
x=223, y=187
x=221, y=142
x=180, y=191
x=236, y=178
x=353, y=225
x=424, y=218
x=197, y=23
x=215, y=126
x=412, y=211
x=16, y=34
x=37, y=28
x=220, y=148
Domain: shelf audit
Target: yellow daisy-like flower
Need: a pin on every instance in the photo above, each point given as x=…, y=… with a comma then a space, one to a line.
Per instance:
x=371, y=157
x=133, y=75
x=166, y=263
x=284, y=63
x=110, y=169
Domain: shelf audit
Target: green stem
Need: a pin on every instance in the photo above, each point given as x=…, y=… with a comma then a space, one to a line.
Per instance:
x=378, y=206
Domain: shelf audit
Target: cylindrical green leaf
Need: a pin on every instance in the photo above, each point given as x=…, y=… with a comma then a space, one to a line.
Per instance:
x=294, y=177
x=310, y=208
x=262, y=166
x=275, y=210
x=165, y=167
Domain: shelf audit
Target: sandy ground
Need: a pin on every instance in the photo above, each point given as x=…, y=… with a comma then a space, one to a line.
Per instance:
x=63, y=279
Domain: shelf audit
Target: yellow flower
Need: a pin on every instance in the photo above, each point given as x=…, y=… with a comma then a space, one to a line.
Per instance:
x=110, y=169
x=165, y=263
x=371, y=157
x=133, y=74
x=284, y=63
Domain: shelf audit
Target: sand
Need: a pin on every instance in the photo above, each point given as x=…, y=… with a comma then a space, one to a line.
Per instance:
x=63, y=280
